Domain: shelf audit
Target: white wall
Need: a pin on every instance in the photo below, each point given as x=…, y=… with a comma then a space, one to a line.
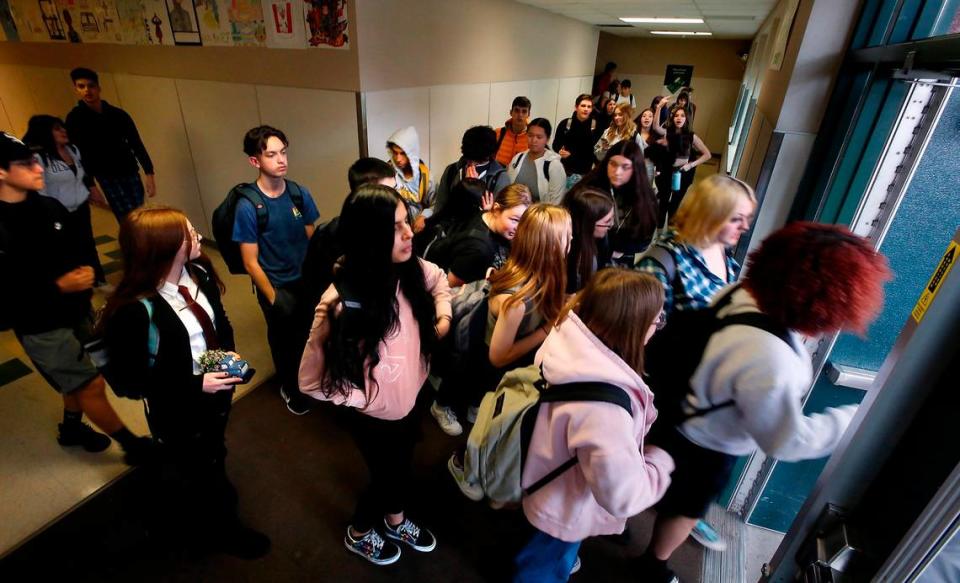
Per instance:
x=441, y=113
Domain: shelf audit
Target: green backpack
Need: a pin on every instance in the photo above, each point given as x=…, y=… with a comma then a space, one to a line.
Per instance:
x=498, y=442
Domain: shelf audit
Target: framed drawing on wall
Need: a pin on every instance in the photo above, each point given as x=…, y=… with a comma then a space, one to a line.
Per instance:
x=183, y=22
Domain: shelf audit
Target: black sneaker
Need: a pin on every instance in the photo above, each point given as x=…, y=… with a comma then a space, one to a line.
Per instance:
x=372, y=547
x=141, y=451
x=297, y=404
x=654, y=570
x=83, y=435
x=244, y=543
x=418, y=539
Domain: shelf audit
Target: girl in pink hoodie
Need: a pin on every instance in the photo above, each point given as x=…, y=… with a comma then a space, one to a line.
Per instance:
x=600, y=337
x=369, y=349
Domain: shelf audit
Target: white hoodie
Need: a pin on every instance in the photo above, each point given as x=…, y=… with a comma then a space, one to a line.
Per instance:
x=550, y=191
x=766, y=380
x=409, y=141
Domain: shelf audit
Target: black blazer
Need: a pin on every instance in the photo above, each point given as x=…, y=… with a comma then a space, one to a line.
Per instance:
x=178, y=411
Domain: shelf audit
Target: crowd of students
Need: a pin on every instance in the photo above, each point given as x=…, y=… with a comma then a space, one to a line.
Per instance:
x=582, y=256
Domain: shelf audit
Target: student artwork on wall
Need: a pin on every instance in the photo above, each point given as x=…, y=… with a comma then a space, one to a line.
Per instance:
x=91, y=21
x=326, y=23
x=144, y=22
x=183, y=22
x=38, y=20
x=283, y=26
x=231, y=22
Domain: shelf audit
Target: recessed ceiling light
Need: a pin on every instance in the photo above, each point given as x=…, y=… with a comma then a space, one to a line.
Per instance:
x=658, y=20
x=681, y=33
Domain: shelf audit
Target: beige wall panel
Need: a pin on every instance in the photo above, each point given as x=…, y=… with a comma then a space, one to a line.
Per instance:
x=453, y=109
x=388, y=111
x=52, y=90
x=154, y=105
x=17, y=98
x=716, y=59
x=217, y=115
x=501, y=96
x=322, y=129
x=567, y=91
x=4, y=118
x=467, y=41
x=543, y=94
x=586, y=84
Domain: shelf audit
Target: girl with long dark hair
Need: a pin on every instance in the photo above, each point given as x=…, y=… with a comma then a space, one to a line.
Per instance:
x=369, y=349
x=187, y=408
x=592, y=213
x=65, y=180
x=681, y=144
x=622, y=173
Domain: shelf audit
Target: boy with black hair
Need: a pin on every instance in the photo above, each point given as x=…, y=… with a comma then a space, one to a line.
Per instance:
x=575, y=139
x=478, y=146
x=324, y=248
x=112, y=150
x=512, y=137
x=48, y=303
x=273, y=254
x=626, y=96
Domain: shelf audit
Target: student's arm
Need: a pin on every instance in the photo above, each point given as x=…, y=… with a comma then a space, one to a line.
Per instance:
x=559, y=140
x=436, y=283
x=505, y=347
x=309, y=230
x=601, y=147
x=310, y=212
x=250, y=252
x=140, y=151
x=453, y=280
x=704, y=154
x=313, y=363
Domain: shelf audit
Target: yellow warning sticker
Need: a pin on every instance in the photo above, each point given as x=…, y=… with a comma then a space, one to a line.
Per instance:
x=933, y=286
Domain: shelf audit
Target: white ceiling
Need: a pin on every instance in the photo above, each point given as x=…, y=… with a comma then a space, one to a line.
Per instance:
x=724, y=18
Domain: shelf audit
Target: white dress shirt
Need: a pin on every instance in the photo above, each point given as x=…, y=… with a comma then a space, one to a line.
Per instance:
x=170, y=293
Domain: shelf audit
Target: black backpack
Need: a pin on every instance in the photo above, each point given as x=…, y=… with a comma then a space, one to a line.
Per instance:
x=674, y=353
x=546, y=167
x=224, y=217
x=441, y=249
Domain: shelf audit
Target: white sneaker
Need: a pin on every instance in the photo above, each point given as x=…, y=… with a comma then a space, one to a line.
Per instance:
x=446, y=418
x=472, y=414
x=576, y=566
x=472, y=492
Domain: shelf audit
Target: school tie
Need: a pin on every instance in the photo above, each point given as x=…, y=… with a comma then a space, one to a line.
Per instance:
x=209, y=332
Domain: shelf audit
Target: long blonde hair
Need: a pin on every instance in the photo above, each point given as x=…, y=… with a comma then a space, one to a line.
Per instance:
x=629, y=126
x=537, y=262
x=708, y=206
x=619, y=306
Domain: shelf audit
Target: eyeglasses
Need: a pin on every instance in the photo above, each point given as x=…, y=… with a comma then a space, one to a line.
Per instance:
x=661, y=320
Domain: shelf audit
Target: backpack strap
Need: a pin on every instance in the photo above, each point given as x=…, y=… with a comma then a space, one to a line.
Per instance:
x=424, y=181
x=580, y=392
x=296, y=193
x=253, y=195
x=153, y=335
x=503, y=134
x=519, y=160
x=569, y=123
x=752, y=319
x=546, y=170
x=664, y=257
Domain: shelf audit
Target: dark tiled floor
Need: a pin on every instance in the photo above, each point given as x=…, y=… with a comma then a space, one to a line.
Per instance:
x=298, y=477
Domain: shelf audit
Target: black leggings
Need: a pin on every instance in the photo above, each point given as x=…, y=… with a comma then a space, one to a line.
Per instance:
x=387, y=449
x=669, y=201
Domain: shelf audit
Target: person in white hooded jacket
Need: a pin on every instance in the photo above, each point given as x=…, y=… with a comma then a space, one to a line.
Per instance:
x=600, y=337
x=413, y=176
x=539, y=168
x=805, y=279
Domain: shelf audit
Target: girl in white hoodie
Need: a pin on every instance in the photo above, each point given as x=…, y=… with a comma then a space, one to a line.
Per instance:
x=539, y=167
x=600, y=337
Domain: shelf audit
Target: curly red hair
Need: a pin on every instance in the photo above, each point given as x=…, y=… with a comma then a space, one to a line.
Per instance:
x=816, y=278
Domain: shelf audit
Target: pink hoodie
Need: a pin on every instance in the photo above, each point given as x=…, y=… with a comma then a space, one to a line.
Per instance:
x=401, y=371
x=617, y=476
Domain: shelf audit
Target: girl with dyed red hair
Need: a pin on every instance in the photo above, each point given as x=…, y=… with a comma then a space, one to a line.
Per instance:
x=806, y=279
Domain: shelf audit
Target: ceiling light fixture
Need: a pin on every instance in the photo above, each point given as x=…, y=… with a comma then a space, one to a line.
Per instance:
x=681, y=33
x=658, y=20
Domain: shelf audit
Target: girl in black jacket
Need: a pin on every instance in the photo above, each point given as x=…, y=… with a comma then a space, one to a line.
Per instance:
x=187, y=409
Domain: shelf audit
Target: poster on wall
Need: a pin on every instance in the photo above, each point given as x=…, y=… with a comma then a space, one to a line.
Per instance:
x=677, y=77
x=283, y=27
x=231, y=22
x=8, y=28
x=38, y=20
x=91, y=21
x=246, y=23
x=144, y=22
x=326, y=22
x=183, y=22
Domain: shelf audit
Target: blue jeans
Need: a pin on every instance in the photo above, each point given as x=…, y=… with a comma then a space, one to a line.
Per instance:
x=545, y=560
